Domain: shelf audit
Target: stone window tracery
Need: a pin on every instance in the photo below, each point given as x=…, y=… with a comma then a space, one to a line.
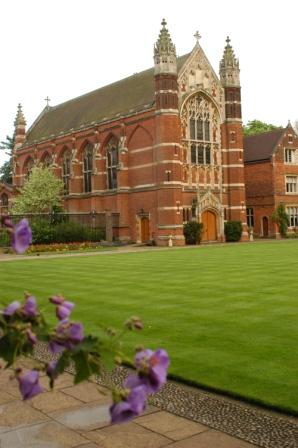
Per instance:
x=88, y=167
x=200, y=127
x=66, y=162
x=46, y=161
x=28, y=167
x=112, y=164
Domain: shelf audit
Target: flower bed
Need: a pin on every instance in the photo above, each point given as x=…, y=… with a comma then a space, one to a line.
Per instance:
x=61, y=247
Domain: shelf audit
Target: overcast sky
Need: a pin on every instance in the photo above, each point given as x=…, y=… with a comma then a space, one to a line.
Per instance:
x=65, y=48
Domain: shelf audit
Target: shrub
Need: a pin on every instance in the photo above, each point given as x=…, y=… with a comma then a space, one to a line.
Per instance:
x=4, y=239
x=281, y=218
x=97, y=234
x=67, y=232
x=45, y=232
x=192, y=231
x=233, y=230
x=42, y=232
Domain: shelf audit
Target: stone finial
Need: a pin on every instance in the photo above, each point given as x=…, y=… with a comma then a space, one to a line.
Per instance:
x=20, y=119
x=229, y=67
x=20, y=128
x=165, y=58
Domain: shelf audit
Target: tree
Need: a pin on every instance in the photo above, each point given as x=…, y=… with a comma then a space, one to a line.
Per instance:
x=41, y=193
x=257, y=127
x=295, y=126
x=281, y=218
x=6, y=168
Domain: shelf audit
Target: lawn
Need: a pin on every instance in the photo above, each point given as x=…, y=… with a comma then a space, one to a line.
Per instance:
x=227, y=314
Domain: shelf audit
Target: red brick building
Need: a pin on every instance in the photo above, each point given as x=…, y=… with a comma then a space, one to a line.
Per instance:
x=271, y=178
x=161, y=147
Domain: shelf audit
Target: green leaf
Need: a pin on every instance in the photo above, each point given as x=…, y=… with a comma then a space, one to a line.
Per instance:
x=83, y=371
x=62, y=363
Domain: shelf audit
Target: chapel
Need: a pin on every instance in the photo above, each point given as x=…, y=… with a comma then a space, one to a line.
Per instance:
x=160, y=148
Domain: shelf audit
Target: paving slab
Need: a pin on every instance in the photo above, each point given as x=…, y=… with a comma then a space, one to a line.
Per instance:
x=84, y=417
x=88, y=392
x=44, y=435
x=53, y=401
x=63, y=381
x=16, y=414
x=9, y=384
x=169, y=425
x=5, y=397
x=128, y=435
x=88, y=445
x=212, y=439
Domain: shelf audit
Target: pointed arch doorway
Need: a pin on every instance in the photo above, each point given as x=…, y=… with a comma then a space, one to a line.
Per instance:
x=208, y=220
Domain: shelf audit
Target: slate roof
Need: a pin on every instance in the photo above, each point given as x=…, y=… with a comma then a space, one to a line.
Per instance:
x=131, y=94
x=261, y=146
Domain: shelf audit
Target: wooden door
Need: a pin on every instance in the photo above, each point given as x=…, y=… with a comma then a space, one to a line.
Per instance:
x=265, y=227
x=209, y=226
x=145, y=235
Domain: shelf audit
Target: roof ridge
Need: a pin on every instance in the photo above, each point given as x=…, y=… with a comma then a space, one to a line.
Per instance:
x=266, y=132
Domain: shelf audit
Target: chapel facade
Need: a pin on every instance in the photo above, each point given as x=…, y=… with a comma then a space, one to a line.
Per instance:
x=160, y=148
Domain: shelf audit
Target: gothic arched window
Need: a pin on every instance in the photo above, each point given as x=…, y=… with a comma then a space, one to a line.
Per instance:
x=112, y=164
x=66, y=170
x=46, y=160
x=4, y=200
x=200, y=118
x=28, y=167
x=88, y=167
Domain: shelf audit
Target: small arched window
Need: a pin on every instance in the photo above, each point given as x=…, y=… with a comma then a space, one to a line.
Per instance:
x=87, y=167
x=4, y=200
x=66, y=170
x=112, y=164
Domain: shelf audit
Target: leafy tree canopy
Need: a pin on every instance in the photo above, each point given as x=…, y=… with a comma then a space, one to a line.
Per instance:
x=6, y=168
x=42, y=192
x=6, y=172
x=257, y=127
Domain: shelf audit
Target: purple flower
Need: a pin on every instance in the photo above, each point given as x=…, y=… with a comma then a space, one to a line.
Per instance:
x=30, y=307
x=63, y=311
x=11, y=308
x=67, y=336
x=152, y=368
x=57, y=300
x=31, y=336
x=133, y=406
x=21, y=236
x=50, y=370
x=76, y=333
x=28, y=384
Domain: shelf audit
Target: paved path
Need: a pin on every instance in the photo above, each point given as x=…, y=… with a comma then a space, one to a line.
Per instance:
x=77, y=416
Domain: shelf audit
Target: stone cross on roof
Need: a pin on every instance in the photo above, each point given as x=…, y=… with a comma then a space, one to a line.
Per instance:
x=197, y=37
x=47, y=99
